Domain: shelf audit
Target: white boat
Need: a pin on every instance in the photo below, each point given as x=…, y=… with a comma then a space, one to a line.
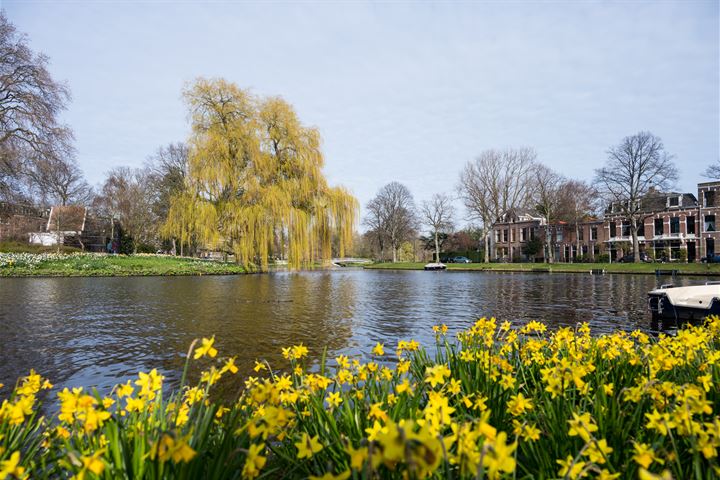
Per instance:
x=435, y=266
x=680, y=304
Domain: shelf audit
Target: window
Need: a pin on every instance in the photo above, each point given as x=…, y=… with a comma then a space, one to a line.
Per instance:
x=675, y=225
x=505, y=235
x=593, y=233
x=673, y=201
x=512, y=235
x=625, y=229
x=613, y=230
x=690, y=225
x=658, y=227
x=709, y=198
x=559, y=235
x=497, y=236
x=581, y=234
x=533, y=233
x=709, y=223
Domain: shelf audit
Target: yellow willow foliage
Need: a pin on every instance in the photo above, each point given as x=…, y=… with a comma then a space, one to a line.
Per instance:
x=255, y=176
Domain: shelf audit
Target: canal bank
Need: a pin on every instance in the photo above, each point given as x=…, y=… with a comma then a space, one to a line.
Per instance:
x=694, y=269
x=101, y=265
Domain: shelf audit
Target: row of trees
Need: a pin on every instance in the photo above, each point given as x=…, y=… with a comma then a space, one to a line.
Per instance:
x=248, y=181
x=498, y=183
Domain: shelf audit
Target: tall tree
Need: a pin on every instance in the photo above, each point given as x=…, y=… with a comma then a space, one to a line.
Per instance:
x=392, y=211
x=127, y=196
x=255, y=174
x=548, y=199
x=580, y=202
x=713, y=170
x=167, y=172
x=638, y=165
x=58, y=181
x=438, y=215
x=495, y=182
x=30, y=103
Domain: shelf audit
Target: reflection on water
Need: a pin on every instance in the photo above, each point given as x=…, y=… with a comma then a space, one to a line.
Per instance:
x=99, y=331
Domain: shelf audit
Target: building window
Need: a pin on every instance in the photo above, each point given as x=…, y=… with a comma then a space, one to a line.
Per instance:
x=580, y=234
x=593, y=233
x=625, y=229
x=673, y=201
x=505, y=235
x=512, y=235
x=709, y=223
x=524, y=234
x=690, y=224
x=675, y=225
x=533, y=233
x=559, y=235
x=497, y=236
x=612, y=229
x=658, y=227
x=709, y=199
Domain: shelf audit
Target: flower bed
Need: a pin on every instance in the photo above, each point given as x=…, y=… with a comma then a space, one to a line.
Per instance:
x=498, y=402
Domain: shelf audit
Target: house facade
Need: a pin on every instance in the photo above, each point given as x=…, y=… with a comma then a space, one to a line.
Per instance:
x=676, y=226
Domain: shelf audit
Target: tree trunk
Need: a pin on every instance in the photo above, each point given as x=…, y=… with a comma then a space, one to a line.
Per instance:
x=487, y=247
x=577, y=239
x=394, y=249
x=636, y=243
x=548, y=244
x=174, y=247
x=437, y=248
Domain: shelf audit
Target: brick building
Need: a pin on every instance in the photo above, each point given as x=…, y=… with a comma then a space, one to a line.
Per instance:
x=16, y=221
x=675, y=225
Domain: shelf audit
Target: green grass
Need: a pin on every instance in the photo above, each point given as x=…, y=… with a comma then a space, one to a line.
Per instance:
x=121, y=265
x=640, y=268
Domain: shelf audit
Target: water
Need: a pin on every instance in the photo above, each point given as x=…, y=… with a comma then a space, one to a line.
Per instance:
x=101, y=331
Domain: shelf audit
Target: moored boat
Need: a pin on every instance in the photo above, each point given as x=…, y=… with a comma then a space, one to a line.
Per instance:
x=682, y=304
x=435, y=266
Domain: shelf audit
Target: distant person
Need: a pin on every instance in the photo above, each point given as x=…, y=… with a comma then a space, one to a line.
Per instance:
x=109, y=247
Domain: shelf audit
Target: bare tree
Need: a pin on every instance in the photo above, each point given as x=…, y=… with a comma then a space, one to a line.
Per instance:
x=438, y=215
x=637, y=166
x=548, y=199
x=30, y=103
x=391, y=214
x=167, y=173
x=495, y=182
x=713, y=170
x=127, y=196
x=580, y=202
x=58, y=181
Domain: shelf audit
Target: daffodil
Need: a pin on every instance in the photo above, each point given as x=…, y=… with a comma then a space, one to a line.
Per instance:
x=206, y=348
x=308, y=446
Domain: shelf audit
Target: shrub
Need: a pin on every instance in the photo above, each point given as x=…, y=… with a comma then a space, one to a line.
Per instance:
x=602, y=258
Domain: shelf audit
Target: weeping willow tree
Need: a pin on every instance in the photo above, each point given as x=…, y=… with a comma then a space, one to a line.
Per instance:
x=255, y=181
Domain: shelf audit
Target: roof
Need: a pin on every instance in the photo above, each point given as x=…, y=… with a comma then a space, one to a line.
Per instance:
x=67, y=218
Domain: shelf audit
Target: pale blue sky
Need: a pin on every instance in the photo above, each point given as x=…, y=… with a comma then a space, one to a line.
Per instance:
x=400, y=91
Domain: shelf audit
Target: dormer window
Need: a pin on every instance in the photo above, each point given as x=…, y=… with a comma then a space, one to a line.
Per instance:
x=673, y=201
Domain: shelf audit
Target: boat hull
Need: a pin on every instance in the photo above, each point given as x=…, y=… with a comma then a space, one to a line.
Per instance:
x=668, y=315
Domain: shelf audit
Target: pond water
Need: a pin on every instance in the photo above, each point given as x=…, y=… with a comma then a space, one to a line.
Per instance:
x=100, y=331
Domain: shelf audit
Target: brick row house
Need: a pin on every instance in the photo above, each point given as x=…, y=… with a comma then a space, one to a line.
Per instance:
x=675, y=225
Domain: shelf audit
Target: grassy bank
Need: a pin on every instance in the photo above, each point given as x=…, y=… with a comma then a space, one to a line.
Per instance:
x=497, y=402
x=640, y=268
x=89, y=265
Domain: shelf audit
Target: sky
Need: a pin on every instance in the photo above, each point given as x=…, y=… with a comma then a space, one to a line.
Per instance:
x=400, y=91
